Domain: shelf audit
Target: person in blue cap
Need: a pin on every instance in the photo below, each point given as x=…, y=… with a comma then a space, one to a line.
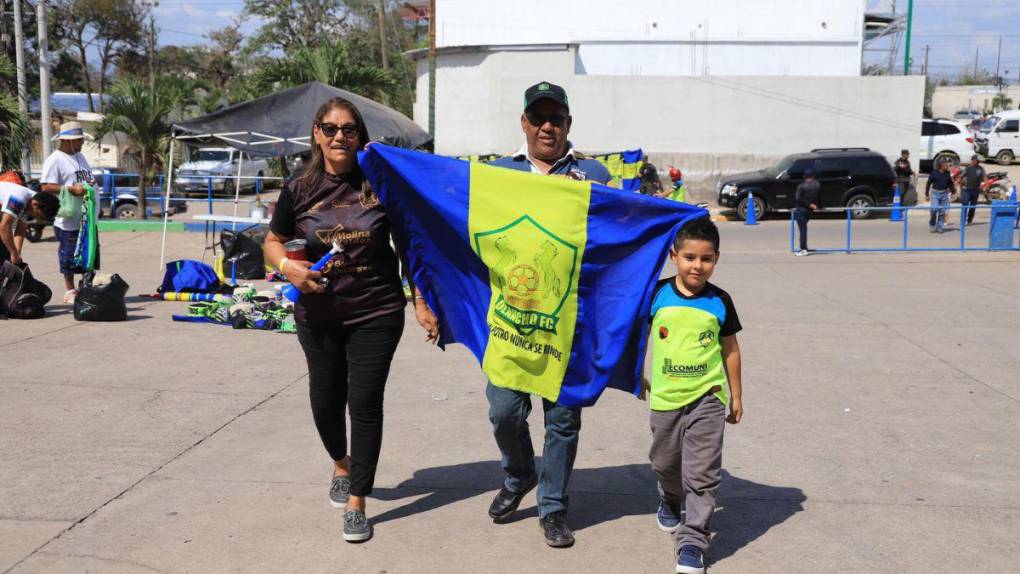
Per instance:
x=805, y=202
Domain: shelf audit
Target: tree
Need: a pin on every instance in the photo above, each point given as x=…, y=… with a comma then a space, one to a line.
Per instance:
x=291, y=24
x=328, y=63
x=110, y=27
x=1001, y=102
x=15, y=129
x=142, y=115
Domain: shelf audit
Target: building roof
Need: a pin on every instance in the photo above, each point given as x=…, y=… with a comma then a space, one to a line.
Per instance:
x=68, y=102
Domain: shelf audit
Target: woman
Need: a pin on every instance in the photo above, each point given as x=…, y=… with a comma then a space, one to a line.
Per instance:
x=351, y=315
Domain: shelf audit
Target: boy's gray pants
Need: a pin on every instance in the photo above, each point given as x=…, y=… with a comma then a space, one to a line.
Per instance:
x=686, y=455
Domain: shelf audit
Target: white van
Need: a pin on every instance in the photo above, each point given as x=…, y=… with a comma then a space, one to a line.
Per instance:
x=999, y=137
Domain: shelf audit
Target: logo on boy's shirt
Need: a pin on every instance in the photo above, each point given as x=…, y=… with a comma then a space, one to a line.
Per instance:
x=706, y=338
x=685, y=371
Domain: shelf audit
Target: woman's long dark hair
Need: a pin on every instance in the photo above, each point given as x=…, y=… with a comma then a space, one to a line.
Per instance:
x=312, y=174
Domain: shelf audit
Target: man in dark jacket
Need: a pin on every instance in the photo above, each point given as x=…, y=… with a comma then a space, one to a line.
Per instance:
x=650, y=182
x=905, y=179
x=938, y=190
x=805, y=202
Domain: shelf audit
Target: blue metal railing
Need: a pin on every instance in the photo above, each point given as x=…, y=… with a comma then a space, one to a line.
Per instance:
x=905, y=246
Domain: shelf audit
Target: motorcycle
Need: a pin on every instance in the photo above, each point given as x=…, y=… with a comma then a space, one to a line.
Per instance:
x=995, y=186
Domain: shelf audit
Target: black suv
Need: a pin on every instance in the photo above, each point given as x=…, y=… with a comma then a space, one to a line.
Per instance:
x=850, y=177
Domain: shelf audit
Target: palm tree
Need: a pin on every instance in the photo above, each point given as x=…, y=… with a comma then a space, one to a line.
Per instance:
x=327, y=63
x=15, y=129
x=141, y=114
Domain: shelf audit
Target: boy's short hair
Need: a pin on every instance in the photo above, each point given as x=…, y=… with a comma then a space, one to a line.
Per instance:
x=48, y=204
x=703, y=229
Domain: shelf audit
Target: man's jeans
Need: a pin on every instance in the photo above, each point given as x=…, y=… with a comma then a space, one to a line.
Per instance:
x=802, y=216
x=970, y=198
x=508, y=411
x=939, y=203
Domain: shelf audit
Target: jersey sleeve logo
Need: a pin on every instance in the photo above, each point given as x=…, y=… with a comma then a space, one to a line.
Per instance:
x=663, y=332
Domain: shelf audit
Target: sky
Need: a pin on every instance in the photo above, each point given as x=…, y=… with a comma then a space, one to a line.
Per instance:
x=952, y=29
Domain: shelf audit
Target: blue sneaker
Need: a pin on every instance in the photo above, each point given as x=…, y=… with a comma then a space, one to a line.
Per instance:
x=688, y=560
x=667, y=519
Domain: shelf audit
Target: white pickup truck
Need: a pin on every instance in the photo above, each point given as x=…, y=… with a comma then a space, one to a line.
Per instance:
x=219, y=166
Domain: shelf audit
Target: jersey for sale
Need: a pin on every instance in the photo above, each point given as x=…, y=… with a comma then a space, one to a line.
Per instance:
x=686, y=349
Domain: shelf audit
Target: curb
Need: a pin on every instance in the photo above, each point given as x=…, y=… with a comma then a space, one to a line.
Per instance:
x=106, y=225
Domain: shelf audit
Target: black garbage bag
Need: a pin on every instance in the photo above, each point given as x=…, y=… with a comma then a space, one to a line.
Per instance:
x=100, y=302
x=21, y=295
x=246, y=248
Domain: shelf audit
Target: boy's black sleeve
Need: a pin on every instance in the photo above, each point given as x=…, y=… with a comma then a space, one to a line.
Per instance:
x=730, y=326
x=282, y=223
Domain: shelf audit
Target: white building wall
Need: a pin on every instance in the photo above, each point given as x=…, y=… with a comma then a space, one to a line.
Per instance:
x=947, y=100
x=710, y=125
x=670, y=37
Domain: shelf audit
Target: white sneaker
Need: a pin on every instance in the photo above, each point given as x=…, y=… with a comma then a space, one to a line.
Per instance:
x=70, y=296
x=801, y=253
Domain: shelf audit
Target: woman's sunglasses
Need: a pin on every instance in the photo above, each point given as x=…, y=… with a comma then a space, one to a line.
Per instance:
x=538, y=120
x=329, y=130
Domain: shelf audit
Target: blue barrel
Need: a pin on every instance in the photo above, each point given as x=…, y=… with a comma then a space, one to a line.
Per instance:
x=1000, y=229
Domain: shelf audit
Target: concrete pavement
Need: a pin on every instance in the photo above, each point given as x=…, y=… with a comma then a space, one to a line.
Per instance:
x=880, y=433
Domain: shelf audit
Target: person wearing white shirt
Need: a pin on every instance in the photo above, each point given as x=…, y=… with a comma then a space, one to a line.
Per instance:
x=17, y=202
x=67, y=167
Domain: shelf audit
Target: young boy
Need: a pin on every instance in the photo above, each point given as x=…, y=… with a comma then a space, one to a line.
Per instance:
x=695, y=357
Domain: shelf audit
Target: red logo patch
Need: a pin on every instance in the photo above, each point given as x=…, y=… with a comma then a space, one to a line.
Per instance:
x=663, y=332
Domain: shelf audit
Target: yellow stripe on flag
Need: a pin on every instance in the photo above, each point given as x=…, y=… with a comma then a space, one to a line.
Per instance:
x=530, y=231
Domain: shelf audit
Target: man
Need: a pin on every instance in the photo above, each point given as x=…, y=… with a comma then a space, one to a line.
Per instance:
x=67, y=167
x=905, y=178
x=546, y=123
x=938, y=190
x=650, y=183
x=805, y=201
x=972, y=177
x=16, y=202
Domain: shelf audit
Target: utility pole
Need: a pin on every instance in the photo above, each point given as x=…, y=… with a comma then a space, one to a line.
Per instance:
x=924, y=70
x=44, y=79
x=19, y=59
x=910, y=22
x=977, y=50
x=152, y=53
x=432, y=70
x=998, y=60
x=382, y=43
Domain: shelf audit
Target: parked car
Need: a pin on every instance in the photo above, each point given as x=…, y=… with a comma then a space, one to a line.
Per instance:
x=121, y=200
x=850, y=177
x=943, y=140
x=220, y=164
x=966, y=115
x=999, y=137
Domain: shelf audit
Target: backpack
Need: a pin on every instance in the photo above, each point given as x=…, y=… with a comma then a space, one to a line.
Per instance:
x=21, y=295
x=246, y=250
x=100, y=302
x=189, y=276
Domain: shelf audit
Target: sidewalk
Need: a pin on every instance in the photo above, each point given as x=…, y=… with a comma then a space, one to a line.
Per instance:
x=881, y=420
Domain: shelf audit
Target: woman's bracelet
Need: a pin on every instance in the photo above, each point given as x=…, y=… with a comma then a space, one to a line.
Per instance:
x=283, y=263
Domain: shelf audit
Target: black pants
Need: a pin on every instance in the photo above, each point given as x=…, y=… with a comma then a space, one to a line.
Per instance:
x=348, y=367
x=802, y=215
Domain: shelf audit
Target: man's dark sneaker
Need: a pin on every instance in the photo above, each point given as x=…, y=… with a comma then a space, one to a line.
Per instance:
x=688, y=560
x=356, y=526
x=557, y=533
x=339, y=491
x=507, y=501
x=667, y=519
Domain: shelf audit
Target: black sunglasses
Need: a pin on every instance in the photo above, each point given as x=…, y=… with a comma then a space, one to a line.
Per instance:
x=538, y=120
x=329, y=130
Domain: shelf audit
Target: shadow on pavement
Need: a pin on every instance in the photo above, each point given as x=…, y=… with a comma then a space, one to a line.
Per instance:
x=747, y=509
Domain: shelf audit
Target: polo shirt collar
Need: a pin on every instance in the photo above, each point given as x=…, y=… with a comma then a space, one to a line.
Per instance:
x=522, y=154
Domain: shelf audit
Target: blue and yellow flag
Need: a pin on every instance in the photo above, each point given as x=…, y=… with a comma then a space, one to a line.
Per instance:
x=547, y=280
x=623, y=166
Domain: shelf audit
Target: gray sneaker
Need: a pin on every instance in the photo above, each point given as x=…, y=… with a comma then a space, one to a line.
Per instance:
x=356, y=526
x=339, y=491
